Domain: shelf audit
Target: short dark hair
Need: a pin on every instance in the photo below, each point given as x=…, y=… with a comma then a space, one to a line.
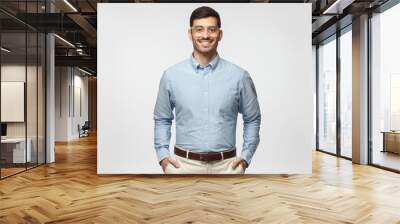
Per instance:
x=204, y=12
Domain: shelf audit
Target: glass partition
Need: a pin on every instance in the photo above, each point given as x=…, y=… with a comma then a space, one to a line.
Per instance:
x=22, y=77
x=13, y=109
x=32, y=95
x=41, y=88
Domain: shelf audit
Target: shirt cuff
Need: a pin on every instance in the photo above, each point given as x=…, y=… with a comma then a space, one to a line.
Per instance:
x=162, y=153
x=246, y=155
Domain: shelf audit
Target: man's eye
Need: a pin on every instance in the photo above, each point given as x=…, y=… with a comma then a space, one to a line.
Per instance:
x=198, y=29
x=213, y=30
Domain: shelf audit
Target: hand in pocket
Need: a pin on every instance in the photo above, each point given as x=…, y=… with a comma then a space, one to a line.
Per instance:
x=239, y=162
x=165, y=162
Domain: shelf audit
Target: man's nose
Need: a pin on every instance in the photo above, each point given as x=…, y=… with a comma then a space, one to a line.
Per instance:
x=205, y=34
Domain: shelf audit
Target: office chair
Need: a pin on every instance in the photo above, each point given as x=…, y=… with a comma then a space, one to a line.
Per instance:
x=84, y=130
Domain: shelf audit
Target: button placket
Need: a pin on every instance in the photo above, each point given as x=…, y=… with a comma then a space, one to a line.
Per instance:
x=208, y=77
x=205, y=105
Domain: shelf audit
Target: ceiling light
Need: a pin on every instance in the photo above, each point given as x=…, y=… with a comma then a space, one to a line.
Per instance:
x=84, y=71
x=337, y=7
x=64, y=40
x=70, y=5
x=5, y=50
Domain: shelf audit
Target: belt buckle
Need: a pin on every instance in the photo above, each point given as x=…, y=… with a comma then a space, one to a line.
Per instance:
x=203, y=156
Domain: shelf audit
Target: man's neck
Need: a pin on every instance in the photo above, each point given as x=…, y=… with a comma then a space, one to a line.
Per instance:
x=204, y=59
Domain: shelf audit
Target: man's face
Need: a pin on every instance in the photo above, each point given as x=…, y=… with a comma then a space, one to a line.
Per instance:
x=205, y=35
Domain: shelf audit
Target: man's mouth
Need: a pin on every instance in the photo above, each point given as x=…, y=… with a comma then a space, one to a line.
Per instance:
x=205, y=43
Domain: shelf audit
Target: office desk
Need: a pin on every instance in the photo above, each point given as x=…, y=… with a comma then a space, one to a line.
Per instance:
x=391, y=141
x=13, y=150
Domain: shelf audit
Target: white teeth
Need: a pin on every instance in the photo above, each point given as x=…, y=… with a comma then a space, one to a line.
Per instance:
x=205, y=43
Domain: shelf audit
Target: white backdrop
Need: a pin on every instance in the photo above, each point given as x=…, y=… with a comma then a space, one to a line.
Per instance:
x=137, y=42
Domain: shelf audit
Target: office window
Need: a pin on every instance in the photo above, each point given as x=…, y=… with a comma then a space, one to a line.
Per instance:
x=385, y=81
x=346, y=94
x=327, y=96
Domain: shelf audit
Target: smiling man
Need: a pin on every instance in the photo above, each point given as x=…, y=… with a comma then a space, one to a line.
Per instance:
x=207, y=93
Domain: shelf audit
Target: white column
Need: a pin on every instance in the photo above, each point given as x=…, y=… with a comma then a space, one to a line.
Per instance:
x=50, y=92
x=360, y=90
x=50, y=100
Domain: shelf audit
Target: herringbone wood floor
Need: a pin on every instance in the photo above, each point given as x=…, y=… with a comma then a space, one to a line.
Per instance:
x=70, y=191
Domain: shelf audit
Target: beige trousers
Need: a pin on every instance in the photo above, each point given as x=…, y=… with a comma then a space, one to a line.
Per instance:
x=189, y=166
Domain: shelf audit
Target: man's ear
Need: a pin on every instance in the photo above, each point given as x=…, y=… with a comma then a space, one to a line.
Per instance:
x=220, y=35
x=190, y=34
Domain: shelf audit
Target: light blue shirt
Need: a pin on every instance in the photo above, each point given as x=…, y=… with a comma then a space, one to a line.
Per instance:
x=207, y=100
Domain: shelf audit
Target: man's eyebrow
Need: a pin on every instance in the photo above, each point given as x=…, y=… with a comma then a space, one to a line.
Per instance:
x=204, y=26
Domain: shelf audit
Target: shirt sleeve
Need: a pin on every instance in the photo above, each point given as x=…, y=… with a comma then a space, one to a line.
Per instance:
x=250, y=110
x=163, y=116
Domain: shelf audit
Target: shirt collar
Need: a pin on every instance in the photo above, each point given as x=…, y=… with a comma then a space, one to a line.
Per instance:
x=196, y=65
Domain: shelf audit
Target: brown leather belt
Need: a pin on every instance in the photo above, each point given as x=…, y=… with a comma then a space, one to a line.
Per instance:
x=207, y=156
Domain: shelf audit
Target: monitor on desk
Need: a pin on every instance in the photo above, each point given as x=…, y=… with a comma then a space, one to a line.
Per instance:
x=3, y=130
